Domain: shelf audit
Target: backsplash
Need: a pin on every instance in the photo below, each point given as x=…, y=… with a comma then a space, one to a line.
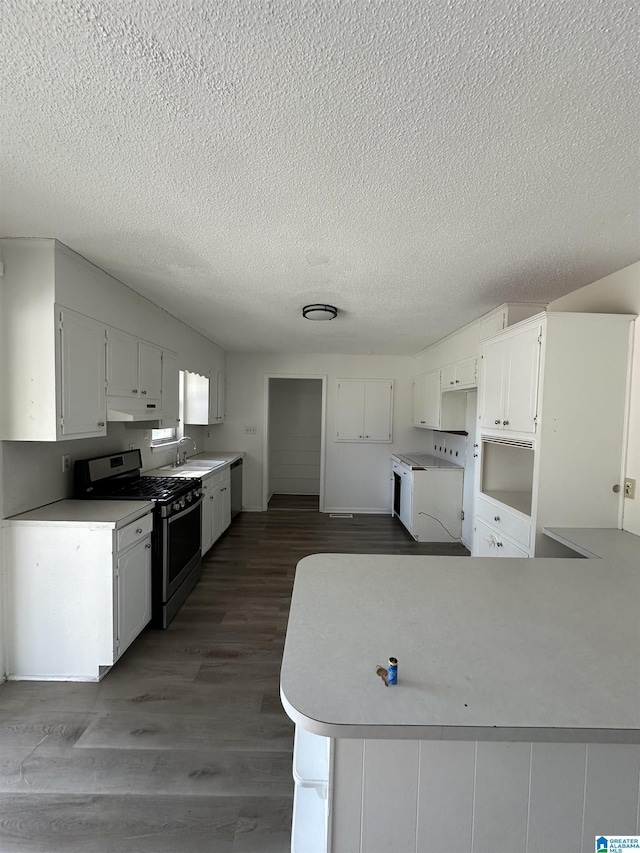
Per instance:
x=32, y=470
x=446, y=445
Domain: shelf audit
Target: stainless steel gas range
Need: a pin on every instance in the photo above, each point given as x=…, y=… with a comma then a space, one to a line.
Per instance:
x=176, y=564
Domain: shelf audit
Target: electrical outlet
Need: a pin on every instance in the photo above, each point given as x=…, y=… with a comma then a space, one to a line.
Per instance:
x=630, y=488
x=66, y=464
x=250, y=430
x=132, y=447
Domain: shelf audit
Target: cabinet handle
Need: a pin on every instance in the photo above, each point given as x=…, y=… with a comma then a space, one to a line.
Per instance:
x=100, y=423
x=134, y=390
x=138, y=530
x=496, y=518
x=143, y=392
x=497, y=422
x=505, y=423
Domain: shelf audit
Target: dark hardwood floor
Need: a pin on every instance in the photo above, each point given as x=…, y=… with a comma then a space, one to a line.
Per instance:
x=184, y=745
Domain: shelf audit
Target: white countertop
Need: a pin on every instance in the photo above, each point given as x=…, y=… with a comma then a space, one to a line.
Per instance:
x=77, y=513
x=417, y=461
x=210, y=460
x=488, y=649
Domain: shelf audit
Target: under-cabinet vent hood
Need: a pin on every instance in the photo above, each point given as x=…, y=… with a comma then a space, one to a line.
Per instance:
x=124, y=414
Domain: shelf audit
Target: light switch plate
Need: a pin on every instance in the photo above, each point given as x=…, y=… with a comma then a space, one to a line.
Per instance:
x=250, y=430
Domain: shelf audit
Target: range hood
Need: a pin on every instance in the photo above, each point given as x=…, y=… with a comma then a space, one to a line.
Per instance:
x=150, y=416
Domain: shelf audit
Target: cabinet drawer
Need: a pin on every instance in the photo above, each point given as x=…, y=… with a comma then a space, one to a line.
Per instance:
x=133, y=532
x=504, y=521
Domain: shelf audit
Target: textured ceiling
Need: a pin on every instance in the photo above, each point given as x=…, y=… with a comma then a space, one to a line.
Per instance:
x=415, y=163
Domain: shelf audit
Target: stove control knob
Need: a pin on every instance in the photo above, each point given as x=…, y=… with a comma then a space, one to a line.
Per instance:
x=189, y=497
x=182, y=503
x=175, y=506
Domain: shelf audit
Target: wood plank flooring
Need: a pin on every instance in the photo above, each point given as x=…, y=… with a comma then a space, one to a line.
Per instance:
x=184, y=746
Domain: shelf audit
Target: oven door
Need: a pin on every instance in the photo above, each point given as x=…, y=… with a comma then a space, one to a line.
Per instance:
x=180, y=546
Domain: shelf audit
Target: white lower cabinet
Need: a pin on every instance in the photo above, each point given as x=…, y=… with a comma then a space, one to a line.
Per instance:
x=311, y=758
x=216, y=506
x=78, y=594
x=404, y=796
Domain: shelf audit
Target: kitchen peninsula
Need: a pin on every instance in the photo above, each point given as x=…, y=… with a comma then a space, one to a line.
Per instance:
x=516, y=720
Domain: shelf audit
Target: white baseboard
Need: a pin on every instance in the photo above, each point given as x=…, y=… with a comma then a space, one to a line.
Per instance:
x=367, y=510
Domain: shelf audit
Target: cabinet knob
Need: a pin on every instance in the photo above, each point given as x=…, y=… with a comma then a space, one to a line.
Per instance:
x=138, y=530
x=143, y=392
x=148, y=545
x=475, y=455
x=505, y=423
x=499, y=544
x=134, y=390
x=451, y=383
x=360, y=436
x=423, y=422
x=497, y=422
x=496, y=518
x=100, y=423
x=457, y=381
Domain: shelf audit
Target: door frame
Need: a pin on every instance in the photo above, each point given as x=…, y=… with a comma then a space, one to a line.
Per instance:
x=265, y=437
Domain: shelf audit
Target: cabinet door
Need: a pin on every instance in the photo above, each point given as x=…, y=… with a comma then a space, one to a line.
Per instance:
x=217, y=514
x=82, y=356
x=213, y=397
x=419, y=396
x=122, y=364
x=466, y=373
x=133, y=573
x=521, y=368
x=226, y=505
x=432, y=399
x=508, y=549
x=448, y=377
x=485, y=541
x=222, y=399
x=150, y=376
x=492, y=385
x=378, y=411
x=207, y=518
x=170, y=390
x=350, y=410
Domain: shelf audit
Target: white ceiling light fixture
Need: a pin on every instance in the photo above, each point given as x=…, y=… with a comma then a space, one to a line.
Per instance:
x=319, y=312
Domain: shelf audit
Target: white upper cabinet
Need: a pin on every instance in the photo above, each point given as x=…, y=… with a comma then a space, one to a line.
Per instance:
x=134, y=376
x=204, y=398
x=82, y=363
x=170, y=390
x=364, y=410
x=122, y=364
x=509, y=386
x=457, y=377
x=433, y=409
x=150, y=373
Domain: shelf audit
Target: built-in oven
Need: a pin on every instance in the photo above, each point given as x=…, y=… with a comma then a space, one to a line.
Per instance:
x=403, y=493
x=180, y=553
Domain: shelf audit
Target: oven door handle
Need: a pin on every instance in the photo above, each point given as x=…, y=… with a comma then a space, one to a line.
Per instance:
x=186, y=511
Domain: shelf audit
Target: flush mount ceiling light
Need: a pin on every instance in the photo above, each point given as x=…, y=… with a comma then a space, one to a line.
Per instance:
x=319, y=312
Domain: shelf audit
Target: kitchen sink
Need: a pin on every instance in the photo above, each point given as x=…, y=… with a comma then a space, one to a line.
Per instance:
x=187, y=470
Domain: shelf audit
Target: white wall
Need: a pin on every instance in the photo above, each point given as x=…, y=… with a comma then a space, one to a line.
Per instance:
x=618, y=293
x=357, y=476
x=295, y=415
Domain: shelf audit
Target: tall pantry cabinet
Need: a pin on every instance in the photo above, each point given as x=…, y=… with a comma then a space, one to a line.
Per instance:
x=551, y=425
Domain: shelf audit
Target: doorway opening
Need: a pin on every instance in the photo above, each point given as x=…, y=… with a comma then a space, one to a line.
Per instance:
x=293, y=455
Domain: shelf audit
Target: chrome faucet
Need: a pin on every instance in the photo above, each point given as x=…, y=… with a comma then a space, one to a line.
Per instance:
x=181, y=461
